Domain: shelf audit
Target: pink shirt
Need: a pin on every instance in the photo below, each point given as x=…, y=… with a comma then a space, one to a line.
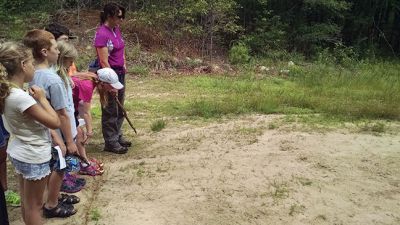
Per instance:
x=112, y=39
x=83, y=91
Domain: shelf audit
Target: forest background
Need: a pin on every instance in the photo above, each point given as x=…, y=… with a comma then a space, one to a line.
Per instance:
x=367, y=28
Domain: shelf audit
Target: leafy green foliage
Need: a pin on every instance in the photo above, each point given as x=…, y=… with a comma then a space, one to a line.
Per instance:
x=368, y=27
x=239, y=54
x=346, y=29
x=208, y=22
x=17, y=6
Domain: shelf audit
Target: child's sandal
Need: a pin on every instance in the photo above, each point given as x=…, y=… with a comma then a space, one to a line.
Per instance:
x=91, y=171
x=69, y=199
x=97, y=163
x=60, y=211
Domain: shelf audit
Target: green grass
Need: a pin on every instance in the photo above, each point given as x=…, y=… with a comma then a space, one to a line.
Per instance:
x=366, y=91
x=295, y=208
x=158, y=125
x=367, y=96
x=139, y=70
x=280, y=190
x=375, y=127
x=95, y=214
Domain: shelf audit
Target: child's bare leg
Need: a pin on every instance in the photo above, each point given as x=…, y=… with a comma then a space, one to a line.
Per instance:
x=54, y=186
x=22, y=194
x=79, y=144
x=33, y=202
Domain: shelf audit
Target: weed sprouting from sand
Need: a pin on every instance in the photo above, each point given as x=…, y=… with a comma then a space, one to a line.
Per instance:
x=280, y=190
x=158, y=125
x=95, y=214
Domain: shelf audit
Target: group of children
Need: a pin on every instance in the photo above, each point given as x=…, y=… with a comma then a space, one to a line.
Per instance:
x=43, y=102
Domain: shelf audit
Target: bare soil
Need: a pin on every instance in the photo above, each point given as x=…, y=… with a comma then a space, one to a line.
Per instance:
x=245, y=171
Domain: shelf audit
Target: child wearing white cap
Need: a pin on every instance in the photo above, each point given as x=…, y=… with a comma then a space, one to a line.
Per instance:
x=106, y=81
x=108, y=75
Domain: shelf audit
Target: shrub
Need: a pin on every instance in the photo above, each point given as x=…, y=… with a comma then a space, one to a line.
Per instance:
x=239, y=54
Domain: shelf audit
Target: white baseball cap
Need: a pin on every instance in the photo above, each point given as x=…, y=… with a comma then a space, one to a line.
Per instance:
x=108, y=75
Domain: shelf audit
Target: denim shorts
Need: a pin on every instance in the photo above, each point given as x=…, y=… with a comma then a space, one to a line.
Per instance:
x=31, y=171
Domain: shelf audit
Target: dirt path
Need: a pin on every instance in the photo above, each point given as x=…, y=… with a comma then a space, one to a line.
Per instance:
x=241, y=172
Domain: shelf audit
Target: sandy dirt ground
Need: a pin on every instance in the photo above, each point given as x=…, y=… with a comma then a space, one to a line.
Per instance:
x=245, y=171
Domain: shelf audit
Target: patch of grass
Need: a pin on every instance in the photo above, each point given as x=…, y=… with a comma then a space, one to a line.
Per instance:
x=96, y=111
x=321, y=217
x=321, y=89
x=161, y=170
x=376, y=127
x=304, y=181
x=95, y=214
x=272, y=126
x=315, y=122
x=365, y=91
x=295, y=208
x=141, y=70
x=250, y=130
x=280, y=190
x=158, y=125
x=140, y=172
x=317, y=95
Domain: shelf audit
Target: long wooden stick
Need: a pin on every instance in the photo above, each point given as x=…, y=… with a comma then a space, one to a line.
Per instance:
x=125, y=113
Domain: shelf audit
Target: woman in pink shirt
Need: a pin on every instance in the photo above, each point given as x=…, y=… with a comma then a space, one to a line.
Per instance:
x=110, y=47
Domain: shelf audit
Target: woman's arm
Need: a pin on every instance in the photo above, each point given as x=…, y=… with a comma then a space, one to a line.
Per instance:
x=102, y=53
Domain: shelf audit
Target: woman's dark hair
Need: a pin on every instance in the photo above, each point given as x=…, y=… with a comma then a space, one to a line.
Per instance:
x=57, y=30
x=111, y=9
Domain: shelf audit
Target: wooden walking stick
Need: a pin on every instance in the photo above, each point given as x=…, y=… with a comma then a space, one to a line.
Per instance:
x=125, y=113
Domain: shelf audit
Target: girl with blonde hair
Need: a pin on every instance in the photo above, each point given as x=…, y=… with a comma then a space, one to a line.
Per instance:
x=68, y=54
x=27, y=116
